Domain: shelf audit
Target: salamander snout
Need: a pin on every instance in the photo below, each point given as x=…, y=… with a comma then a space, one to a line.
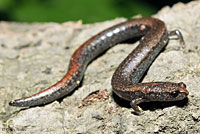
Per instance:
x=181, y=84
x=182, y=88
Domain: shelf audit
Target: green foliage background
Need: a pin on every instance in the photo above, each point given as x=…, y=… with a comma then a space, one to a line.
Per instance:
x=72, y=10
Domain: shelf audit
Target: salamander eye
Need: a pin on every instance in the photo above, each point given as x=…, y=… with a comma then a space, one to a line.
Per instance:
x=174, y=94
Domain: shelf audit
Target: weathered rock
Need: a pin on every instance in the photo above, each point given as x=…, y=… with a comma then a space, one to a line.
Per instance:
x=35, y=56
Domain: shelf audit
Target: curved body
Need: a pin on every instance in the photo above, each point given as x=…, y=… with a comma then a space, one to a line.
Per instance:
x=125, y=81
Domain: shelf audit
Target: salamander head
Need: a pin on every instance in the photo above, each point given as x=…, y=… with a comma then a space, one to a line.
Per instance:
x=179, y=93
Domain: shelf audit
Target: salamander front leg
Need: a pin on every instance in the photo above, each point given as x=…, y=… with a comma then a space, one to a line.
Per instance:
x=134, y=104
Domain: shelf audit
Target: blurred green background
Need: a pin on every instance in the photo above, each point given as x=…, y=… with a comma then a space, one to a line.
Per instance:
x=88, y=11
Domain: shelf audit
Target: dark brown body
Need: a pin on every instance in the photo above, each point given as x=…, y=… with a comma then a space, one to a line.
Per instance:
x=126, y=77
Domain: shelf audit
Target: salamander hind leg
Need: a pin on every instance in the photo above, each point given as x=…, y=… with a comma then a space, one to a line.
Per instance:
x=178, y=35
x=134, y=104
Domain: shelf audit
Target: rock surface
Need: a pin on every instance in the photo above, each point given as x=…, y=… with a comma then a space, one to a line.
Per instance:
x=35, y=56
